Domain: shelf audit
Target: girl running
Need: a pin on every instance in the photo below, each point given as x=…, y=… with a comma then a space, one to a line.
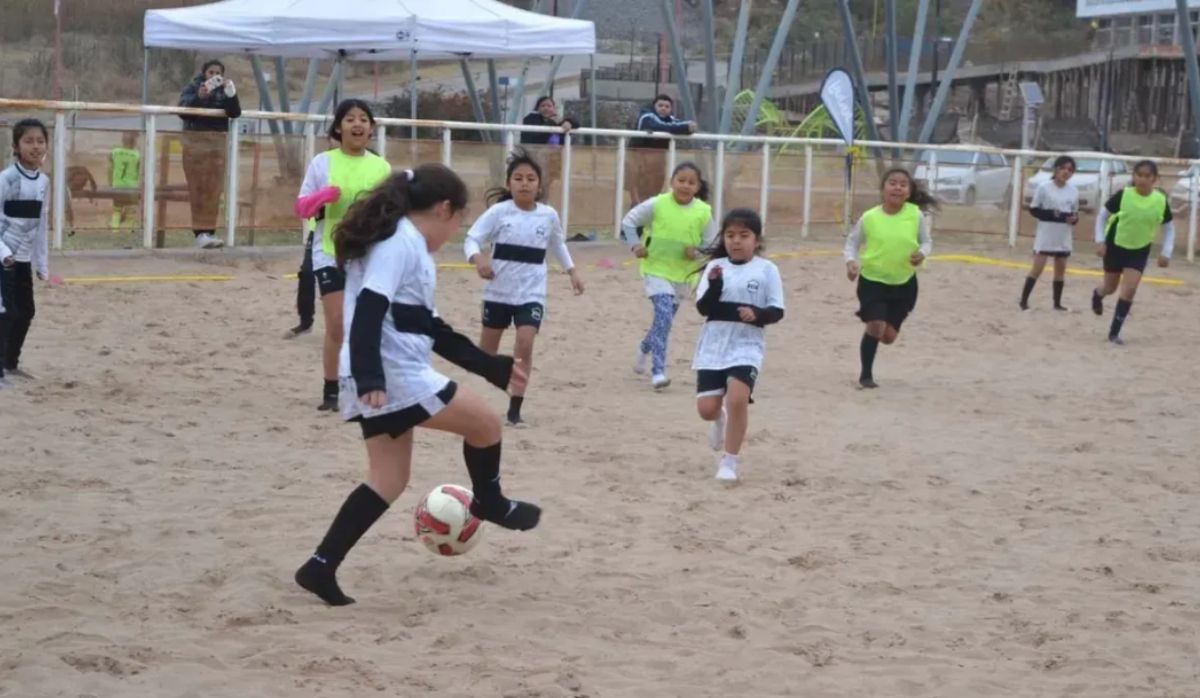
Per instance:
x=520, y=230
x=385, y=245
x=740, y=293
x=1055, y=205
x=24, y=239
x=335, y=178
x=895, y=236
x=679, y=226
x=1125, y=230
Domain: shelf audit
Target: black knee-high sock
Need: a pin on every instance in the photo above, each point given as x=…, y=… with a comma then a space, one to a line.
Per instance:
x=1029, y=282
x=1058, y=289
x=483, y=465
x=359, y=512
x=866, y=352
x=514, y=408
x=1119, y=316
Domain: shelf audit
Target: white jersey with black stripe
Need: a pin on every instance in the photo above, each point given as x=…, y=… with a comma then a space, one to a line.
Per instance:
x=400, y=269
x=756, y=284
x=519, y=242
x=24, y=217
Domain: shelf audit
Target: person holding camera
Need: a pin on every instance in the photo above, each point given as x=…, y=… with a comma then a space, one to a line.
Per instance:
x=204, y=147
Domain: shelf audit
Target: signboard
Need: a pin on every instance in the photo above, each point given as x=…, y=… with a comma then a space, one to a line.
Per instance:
x=1109, y=8
x=837, y=94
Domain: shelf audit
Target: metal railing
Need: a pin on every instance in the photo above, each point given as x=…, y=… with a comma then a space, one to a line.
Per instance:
x=768, y=149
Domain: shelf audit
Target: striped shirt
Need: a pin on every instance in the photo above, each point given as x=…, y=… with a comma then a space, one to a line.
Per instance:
x=24, y=217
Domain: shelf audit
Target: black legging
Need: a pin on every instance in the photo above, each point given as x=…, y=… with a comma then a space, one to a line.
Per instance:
x=17, y=284
x=306, y=287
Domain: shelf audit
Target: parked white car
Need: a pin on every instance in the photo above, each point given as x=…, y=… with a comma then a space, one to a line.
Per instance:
x=966, y=178
x=1086, y=179
x=1181, y=193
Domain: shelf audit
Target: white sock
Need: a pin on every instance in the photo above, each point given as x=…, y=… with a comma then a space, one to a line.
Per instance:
x=731, y=460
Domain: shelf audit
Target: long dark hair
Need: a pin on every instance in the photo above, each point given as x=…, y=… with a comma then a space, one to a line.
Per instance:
x=374, y=217
x=702, y=192
x=26, y=125
x=747, y=217
x=210, y=63
x=343, y=108
x=517, y=158
x=916, y=193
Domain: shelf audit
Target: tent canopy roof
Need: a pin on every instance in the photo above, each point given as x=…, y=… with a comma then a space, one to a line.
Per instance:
x=368, y=29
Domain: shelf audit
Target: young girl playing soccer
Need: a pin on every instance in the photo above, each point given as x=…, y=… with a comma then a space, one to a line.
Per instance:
x=335, y=178
x=520, y=230
x=679, y=226
x=1056, y=207
x=24, y=242
x=895, y=239
x=1125, y=230
x=386, y=244
x=740, y=293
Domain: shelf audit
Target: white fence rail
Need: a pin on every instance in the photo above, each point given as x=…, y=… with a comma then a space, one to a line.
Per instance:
x=723, y=147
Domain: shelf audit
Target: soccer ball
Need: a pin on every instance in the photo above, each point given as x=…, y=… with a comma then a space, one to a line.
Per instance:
x=444, y=522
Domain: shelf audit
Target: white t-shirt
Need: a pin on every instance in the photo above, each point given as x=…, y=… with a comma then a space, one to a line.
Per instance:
x=400, y=269
x=755, y=283
x=316, y=177
x=513, y=232
x=1054, y=237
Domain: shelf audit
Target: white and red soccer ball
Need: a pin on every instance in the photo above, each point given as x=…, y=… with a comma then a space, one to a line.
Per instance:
x=444, y=522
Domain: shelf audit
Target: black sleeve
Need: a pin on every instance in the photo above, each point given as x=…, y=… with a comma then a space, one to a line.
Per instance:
x=1113, y=205
x=463, y=353
x=1049, y=215
x=768, y=316
x=711, y=297
x=1167, y=215
x=366, y=335
x=190, y=94
x=233, y=106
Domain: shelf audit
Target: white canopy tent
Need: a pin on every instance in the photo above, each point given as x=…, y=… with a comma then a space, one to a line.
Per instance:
x=368, y=29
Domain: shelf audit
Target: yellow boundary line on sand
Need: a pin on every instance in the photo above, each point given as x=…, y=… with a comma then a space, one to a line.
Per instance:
x=461, y=266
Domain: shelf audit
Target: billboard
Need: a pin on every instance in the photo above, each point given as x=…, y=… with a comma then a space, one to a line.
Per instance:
x=1108, y=8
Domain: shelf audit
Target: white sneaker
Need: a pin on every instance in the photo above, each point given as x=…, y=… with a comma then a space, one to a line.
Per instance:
x=208, y=241
x=4, y=383
x=727, y=470
x=660, y=381
x=639, y=364
x=716, y=432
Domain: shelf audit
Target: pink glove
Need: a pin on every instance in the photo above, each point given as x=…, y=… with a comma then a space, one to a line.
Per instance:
x=308, y=206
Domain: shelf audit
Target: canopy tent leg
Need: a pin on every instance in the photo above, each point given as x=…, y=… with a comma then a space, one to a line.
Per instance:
x=554, y=65
x=285, y=102
x=310, y=84
x=476, y=103
x=518, y=104
x=412, y=92
x=334, y=78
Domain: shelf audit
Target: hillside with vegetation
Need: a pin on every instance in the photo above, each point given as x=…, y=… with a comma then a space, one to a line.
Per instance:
x=102, y=51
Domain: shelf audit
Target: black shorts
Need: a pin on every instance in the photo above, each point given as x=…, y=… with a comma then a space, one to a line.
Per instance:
x=397, y=423
x=892, y=304
x=330, y=280
x=1117, y=258
x=1056, y=253
x=498, y=316
x=711, y=382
